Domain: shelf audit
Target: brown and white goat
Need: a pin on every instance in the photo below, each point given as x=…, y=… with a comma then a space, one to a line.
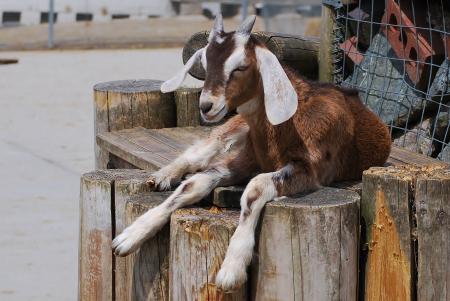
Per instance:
x=296, y=135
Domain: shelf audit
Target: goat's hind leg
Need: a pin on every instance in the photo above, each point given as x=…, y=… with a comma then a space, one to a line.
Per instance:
x=227, y=172
x=260, y=190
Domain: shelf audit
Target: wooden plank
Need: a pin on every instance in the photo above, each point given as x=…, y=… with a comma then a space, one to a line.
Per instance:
x=149, y=149
x=132, y=153
x=432, y=201
x=199, y=239
x=308, y=248
x=408, y=157
x=8, y=61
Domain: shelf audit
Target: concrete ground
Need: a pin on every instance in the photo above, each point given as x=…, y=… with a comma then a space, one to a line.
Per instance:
x=157, y=32
x=46, y=143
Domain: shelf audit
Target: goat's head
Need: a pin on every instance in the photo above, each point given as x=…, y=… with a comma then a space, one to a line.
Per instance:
x=239, y=69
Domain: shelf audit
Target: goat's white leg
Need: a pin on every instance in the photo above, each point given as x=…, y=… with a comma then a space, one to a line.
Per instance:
x=260, y=190
x=190, y=191
x=199, y=156
x=231, y=170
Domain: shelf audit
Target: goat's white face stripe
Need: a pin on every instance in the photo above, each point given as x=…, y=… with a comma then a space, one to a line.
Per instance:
x=237, y=57
x=203, y=58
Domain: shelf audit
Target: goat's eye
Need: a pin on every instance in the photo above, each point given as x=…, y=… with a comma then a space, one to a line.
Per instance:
x=240, y=68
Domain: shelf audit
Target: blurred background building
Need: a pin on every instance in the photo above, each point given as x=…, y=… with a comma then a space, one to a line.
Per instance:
x=141, y=23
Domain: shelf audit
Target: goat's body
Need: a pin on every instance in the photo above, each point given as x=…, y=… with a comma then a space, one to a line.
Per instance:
x=294, y=135
x=333, y=136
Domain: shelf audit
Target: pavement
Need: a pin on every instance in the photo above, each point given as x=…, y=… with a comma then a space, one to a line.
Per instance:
x=128, y=33
x=46, y=143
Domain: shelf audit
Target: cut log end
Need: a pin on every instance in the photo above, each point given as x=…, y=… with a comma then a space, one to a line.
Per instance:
x=129, y=86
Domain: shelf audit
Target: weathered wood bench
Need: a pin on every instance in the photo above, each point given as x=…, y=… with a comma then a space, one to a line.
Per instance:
x=386, y=237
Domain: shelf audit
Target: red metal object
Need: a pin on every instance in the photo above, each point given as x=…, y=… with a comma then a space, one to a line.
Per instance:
x=411, y=43
x=351, y=51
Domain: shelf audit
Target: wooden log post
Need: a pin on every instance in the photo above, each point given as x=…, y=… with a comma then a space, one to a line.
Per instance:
x=198, y=242
x=405, y=218
x=97, y=223
x=128, y=190
x=144, y=275
x=130, y=103
x=297, y=52
x=387, y=234
x=432, y=205
x=308, y=248
x=187, y=104
x=326, y=65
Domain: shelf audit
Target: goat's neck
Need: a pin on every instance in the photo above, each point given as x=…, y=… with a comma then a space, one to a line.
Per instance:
x=254, y=114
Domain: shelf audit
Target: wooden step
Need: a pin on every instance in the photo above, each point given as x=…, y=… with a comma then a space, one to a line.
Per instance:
x=151, y=149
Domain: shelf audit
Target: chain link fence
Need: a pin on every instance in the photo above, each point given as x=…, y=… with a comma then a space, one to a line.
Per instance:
x=396, y=53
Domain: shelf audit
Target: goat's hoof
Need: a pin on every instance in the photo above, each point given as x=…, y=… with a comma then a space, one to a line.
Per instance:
x=127, y=242
x=151, y=182
x=230, y=279
x=157, y=182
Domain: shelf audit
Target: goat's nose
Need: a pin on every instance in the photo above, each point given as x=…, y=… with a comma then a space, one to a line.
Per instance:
x=206, y=106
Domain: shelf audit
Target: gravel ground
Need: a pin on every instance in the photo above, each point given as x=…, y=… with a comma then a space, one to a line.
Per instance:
x=46, y=143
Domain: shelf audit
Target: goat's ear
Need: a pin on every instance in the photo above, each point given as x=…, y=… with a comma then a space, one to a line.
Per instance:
x=280, y=97
x=176, y=81
x=218, y=27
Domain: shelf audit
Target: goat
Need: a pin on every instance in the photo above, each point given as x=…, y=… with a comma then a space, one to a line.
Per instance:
x=297, y=135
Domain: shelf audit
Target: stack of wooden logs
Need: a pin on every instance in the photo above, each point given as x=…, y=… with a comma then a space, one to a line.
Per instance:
x=384, y=239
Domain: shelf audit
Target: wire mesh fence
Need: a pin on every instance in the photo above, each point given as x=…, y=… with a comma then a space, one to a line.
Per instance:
x=396, y=53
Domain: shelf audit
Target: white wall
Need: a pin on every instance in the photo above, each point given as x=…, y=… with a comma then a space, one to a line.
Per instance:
x=101, y=9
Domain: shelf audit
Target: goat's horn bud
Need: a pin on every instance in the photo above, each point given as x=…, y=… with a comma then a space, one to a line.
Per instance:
x=246, y=27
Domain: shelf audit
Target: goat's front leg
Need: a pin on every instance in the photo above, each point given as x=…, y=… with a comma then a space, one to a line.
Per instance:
x=198, y=156
x=232, y=169
x=261, y=189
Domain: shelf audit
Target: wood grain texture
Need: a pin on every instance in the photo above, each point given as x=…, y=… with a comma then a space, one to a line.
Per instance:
x=432, y=204
x=187, y=104
x=326, y=66
x=307, y=248
x=148, y=148
x=100, y=126
x=154, y=148
x=297, y=52
x=386, y=221
x=198, y=242
x=126, y=104
x=145, y=272
x=96, y=231
x=125, y=189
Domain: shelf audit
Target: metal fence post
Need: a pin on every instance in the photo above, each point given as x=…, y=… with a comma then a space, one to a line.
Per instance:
x=51, y=22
